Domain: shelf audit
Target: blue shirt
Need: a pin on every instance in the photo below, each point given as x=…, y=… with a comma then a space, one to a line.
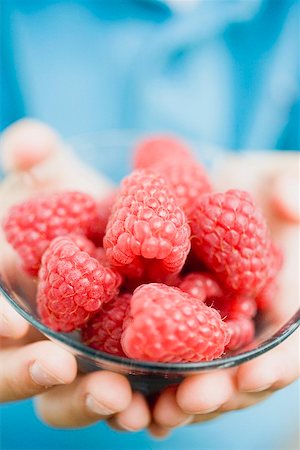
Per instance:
x=224, y=72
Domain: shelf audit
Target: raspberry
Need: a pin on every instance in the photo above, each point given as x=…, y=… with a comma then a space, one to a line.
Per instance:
x=167, y=325
x=269, y=293
x=147, y=229
x=201, y=286
x=233, y=306
x=188, y=180
x=159, y=148
x=241, y=332
x=103, y=331
x=72, y=285
x=30, y=226
x=83, y=243
x=104, y=207
x=232, y=239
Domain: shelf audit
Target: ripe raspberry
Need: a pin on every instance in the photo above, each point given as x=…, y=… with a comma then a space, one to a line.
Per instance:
x=165, y=324
x=104, y=208
x=268, y=295
x=72, y=285
x=103, y=331
x=188, y=180
x=159, y=148
x=232, y=239
x=233, y=306
x=241, y=332
x=83, y=243
x=146, y=228
x=30, y=226
x=201, y=286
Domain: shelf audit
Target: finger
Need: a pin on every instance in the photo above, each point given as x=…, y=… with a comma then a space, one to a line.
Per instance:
x=274, y=370
x=12, y=325
x=26, y=143
x=157, y=431
x=244, y=400
x=284, y=197
x=88, y=399
x=167, y=413
x=204, y=393
x=28, y=370
x=135, y=417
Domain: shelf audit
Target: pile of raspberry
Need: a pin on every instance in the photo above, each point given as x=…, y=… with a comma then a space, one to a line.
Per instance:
x=165, y=269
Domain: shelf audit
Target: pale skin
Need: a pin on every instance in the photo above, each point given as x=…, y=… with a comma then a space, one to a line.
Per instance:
x=32, y=366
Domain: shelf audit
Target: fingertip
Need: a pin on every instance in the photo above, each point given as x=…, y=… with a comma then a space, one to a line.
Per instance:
x=158, y=432
x=167, y=413
x=136, y=416
x=205, y=393
x=53, y=360
x=26, y=143
x=112, y=390
x=259, y=374
x=285, y=199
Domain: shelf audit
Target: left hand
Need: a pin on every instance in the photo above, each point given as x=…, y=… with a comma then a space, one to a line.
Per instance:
x=203, y=397
x=31, y=365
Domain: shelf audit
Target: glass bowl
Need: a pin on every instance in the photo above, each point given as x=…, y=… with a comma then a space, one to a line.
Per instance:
x=110, y=153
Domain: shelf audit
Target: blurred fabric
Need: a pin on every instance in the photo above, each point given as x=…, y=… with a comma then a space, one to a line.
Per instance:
x=223, y=71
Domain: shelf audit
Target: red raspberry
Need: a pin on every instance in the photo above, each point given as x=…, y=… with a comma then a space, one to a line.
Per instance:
x=103, y=331
x=104, y=208
x=267, y=296
x=188, y=180
x=232, y=239
x=241, y=332
x=159, y=148
x=233, y=306
x=201, y=286
x=269, y=293
x=72, y=285
x=84, y=244
x=167, y=325
x=146, y=228
x=30, y=226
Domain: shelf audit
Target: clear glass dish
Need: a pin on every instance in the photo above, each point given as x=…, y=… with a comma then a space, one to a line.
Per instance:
x=109, y=152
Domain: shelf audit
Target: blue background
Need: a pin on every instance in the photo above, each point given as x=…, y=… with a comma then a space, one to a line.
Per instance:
x=263, y=427
x=226, y=72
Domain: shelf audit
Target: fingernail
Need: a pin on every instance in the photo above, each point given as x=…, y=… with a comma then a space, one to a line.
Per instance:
x=126, y=427
x=209, y=410
x=259, y=389
x=96, y=407
x=41, y=376
x=186, y=421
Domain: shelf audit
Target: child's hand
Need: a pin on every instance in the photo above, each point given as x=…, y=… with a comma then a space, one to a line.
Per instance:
x=30, y=364
x=204, y=397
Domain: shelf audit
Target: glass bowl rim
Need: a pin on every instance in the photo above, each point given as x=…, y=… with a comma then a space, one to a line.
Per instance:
x=277, y=338
x=157, y=367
